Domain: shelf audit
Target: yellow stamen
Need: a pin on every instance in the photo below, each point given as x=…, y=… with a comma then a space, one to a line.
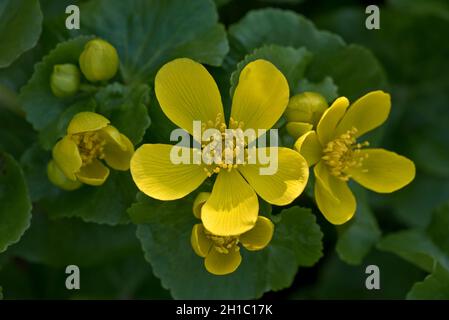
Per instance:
x=344, y=153
x=90, y=146
x=223, y=151
x=223, y=244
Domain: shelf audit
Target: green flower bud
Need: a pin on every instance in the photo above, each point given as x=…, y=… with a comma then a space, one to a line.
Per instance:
x=65, y=80
x=99, y=60
x=57, y=177
x=306, y=107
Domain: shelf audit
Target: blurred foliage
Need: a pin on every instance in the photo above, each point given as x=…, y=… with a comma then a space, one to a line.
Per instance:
x=405, y=234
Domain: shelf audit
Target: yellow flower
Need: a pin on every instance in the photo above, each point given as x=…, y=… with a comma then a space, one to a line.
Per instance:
x=90, y=138
x=338, y=157
x=187, y=92
x=222, y=253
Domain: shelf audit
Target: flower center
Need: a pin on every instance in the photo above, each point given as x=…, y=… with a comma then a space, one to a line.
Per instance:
x=225, y=148
x=223, y=244
x=90, y=146
x=344, y=153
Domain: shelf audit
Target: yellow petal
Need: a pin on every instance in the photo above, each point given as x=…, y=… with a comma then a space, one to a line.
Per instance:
x=200, y=200
x=118, y=149
x=297, y=129
x=187, y=92
x=330, y=119
x=261, y=95
x=222, y=263
x=232, y=207
x=200, y=243
x=112, y=136
x=367, y=113
x=383, y=171
x=94, y=174
x=309, y=147
x=86, y=121
x=286, y=184
x=158, y=177
x=57, y=177
x=260, y=236
x=333, y=196
x=67, y=157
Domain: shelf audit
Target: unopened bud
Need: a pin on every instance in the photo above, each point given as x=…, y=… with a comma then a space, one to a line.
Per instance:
x=65, y=80
x=307, y=107
x=99, y=60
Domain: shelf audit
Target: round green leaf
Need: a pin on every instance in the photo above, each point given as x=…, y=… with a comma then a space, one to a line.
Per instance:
x=165, y=239
x=126, y=108
x=434, y=287
x=149, y=33
x=290, y=61
x=15, y=204
x=20, y=28
x=70, y=241
x=353, y=68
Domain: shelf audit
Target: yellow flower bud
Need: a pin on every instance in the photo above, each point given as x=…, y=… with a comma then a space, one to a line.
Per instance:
x=65, y=80
x=99, y=60
x=58, y=178
x=307, y=107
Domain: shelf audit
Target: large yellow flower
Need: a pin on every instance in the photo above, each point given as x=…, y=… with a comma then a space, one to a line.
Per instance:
x=338, y=157
x=187, y=92
x=222, y=253
x=90, y=138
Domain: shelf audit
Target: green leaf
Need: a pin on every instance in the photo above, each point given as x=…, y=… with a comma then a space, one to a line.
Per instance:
x=281, y=27
x=105, y=204
x=34, y=164
x=15, y=204
x=434, y=287
x=439, y=226
x=338, y=280
x=16, y=134
x=20, y=28
x=1, y=293
x=439, y=8
x=291, y=62
x=415, y=247
x=43, y=110
x=70, y=241
x=353, y=68
x=414, y=204
x=357, y=237
x=126, y=108
x=326, y=88
x=149, y=33
x=165, y=238
x=58, y=128
x=423, y=247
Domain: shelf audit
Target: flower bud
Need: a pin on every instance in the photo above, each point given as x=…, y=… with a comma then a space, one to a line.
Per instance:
x=65, y=80
x=99, y=60
x=57, y=177
x=306, y=107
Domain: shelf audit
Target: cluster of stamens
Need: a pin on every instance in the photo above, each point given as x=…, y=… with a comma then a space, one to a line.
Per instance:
x=225, y=149
x=344, y=153
x=90, y=146
x=223, y=244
